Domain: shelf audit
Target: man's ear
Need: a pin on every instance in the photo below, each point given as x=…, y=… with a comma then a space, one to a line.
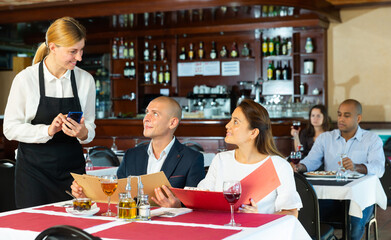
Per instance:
x=174, y=123
x=359, y=117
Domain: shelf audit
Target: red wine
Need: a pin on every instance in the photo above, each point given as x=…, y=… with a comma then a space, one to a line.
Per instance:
x=295, y=160
x=296, y=127
x=232, y=197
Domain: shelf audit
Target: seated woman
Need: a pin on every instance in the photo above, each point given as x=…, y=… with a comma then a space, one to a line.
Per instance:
x=318, y=124
x=250, y=130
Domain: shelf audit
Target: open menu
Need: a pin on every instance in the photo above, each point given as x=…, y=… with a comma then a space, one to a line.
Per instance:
x=256, y=185
x=92, y=187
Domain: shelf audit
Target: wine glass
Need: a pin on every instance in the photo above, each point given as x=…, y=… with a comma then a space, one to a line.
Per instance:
x=296, y=125
x=232, y=191
x=89, y=165
x=341, y=174
x=114, y=147
x=109, y=184
x=222, y=146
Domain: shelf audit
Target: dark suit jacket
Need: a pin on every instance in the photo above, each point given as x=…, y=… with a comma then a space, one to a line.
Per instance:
x=182, y=167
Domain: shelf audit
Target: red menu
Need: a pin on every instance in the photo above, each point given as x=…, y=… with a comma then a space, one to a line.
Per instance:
x=256, y=185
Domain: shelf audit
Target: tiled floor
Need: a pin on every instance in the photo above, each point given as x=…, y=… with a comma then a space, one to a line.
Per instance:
x=383, y=224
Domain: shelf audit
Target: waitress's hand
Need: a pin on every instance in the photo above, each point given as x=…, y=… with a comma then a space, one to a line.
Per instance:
x=56, y=125
x=252, y=208
x=74, y=129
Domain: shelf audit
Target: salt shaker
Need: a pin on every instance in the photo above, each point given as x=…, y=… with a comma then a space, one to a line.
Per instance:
x=144, y=209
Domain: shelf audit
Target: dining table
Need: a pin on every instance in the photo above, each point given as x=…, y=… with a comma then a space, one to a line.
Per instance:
x=197, y=224
x=357, y=194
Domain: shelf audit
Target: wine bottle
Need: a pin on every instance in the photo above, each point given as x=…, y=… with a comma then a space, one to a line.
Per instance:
x=265, y=47
x=132, y=70
x=182, y=55
x=114, y=53
x=213, y=53
x=278, y=71
x=270, y=71
x=146, y=52
x=234, y=51
x=161, y=75
x=223, y=52
x=147, y=75
x=245, y=51
x=131, y=51
x=191, y=52
x=154, y=74
x=162, y=51
x=154, y=53
x=167, y=75
x=201, y=51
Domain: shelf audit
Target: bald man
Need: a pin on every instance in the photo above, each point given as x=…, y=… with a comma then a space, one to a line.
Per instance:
x=181, y=165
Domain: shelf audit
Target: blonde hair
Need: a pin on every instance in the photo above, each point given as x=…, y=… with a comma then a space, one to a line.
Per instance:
x=64, y=32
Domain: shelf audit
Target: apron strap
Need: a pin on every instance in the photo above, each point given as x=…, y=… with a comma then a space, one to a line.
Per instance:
x=74, y=89
x=41, y=80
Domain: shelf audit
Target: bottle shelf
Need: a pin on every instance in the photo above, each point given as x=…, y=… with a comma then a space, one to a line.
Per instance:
x=218, y=59
x=279, y=57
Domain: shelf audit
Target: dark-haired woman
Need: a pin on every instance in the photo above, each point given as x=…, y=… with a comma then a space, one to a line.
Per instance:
x=318, y=124
x=250, y=130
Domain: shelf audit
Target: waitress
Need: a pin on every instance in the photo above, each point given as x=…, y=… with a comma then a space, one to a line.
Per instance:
x=36, y=115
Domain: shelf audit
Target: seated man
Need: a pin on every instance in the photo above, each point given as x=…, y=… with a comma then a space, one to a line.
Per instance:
x=363, y=151
x=181, y=165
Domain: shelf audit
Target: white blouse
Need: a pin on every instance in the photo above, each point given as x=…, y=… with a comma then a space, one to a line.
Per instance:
x=225, y=167
x=24, y=98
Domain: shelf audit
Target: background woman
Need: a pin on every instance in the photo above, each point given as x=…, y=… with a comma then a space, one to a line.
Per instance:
x=36, y=116
x=250, y=130
x=318, y=124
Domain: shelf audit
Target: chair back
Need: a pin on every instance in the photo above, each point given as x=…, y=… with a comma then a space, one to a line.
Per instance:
x=194, y=145
x=386, y=179
x=65, y=232
x=142, y=143
x=309, y=214
x=7, y=178
x=103, y=156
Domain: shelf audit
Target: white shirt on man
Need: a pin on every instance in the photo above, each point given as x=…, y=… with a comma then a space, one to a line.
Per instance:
x=24, y=97
x=154, y=164
x=225, y=167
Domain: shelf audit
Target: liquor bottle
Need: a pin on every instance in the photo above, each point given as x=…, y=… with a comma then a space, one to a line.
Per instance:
x=146, y=52
x=125, y=20
x=289, y=46
x=277, y=46
x=131, y=20
x=131, y=51
x=284, y=50
x=114, y=21
x=132, y=70
x=265, y=11
x=201, y=51
x=121, y=20
x=121, y=49
x=162, y=51
x=126, y=51
x=146, y=19
x=191, y=52
x=270, y=71
x=161, y=75
x=213, y=53
x=245, y=50
x=154, y=74
x=182, y=55
x=286, y=72
x=271, y=11
x=308, y=45
x=114, y=48
x=271, y=47
x=127, y=70
x=265, y=47
x=234, y=51
x=302, y=88
x=147, y=75
x=223, y=52
x=278, y=71
x=154, y=53
x=167, y=75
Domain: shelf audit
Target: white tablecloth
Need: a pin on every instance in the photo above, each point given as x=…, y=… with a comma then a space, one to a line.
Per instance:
x=362, y=193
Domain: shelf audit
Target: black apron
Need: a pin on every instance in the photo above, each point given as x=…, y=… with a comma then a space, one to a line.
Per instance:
x=43, y=169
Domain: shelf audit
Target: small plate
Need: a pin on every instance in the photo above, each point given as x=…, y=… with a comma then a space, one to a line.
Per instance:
x=321, y=174
x=90, y=212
